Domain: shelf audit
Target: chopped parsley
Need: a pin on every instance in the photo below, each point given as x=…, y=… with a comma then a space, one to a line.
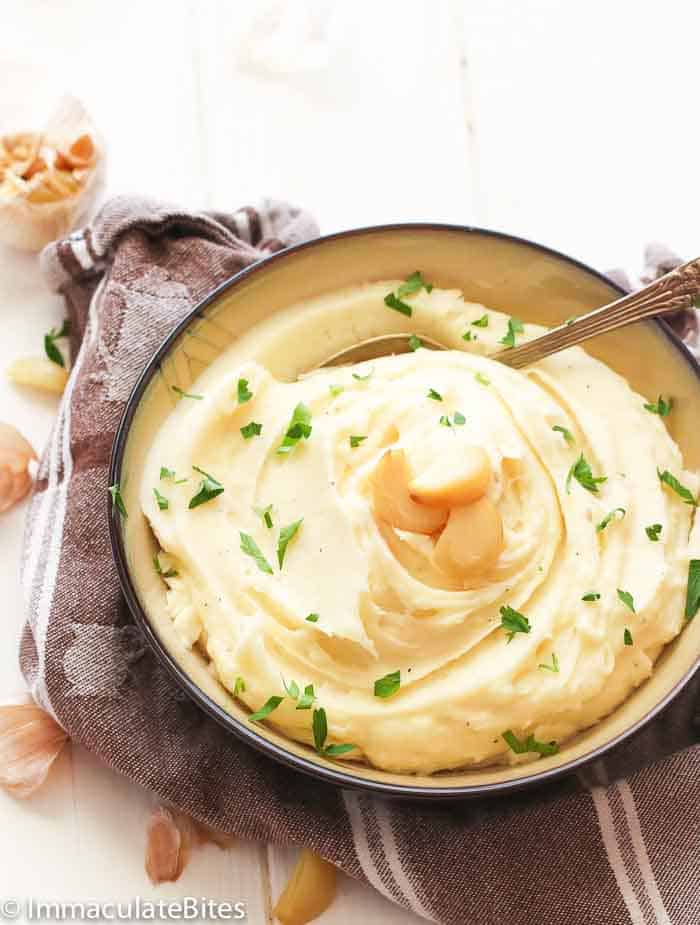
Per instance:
x=609, y=517
x=183, y=394
x=312, y=618
x=566, y=434
x=458, y=420
x=628, y=638
x=117, y=500
x=591, y=596
x=482, y=379
x=170, y=573
x=251, y=548
x=653, y=531
x=467, y=335
x=414, y=283
x=286, y=535
x=299, y=429
x=163, y=502
x=482, y=322
x=52, y=351
x=266, y=514
x=570, y=320
x=530, y=744
x=513, y=622
x=209, y=488
x=436, y=396
x=356, y=440
x=692, y=598
x=662, y=407
x=253, y=429
x=244, y=393
x=292, y=689
x=166, y=473
x=265, y=711
x=581, y=471
x=307, y=699
x=515, y=326
x=554, y=666
x=391, y=301
x=388, y=685
x=414, y=342
x=336, y=389
x=320, y=730
x=626, y=599
x=365, y=377
x=685, y=493
x=239, y=686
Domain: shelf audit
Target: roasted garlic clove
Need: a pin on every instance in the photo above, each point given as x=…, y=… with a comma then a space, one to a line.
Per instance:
x=15, y=456
x=81, y=154
x=392, y=502
x=309, y=892
x=30, y=742
x=472, y=540
x=40, y=373
x=453, y=481
x=171, y=837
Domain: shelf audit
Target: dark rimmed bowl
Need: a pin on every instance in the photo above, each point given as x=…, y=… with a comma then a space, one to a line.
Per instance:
x=503, y=272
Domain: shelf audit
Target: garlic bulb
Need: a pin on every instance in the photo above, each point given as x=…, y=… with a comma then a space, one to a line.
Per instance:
x=15, y=456
x=171, y=836
x=30, y=742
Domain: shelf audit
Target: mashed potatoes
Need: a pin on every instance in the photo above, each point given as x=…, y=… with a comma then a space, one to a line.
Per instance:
x=458, y=563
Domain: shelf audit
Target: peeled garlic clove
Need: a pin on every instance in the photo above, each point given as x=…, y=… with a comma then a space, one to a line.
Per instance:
x=40, y=373
x=30, y=742
x=392, y=502
x=15, y=456
x=81, y=154
x=453, y=481
x=169, y=840
x=310, y=891
x=472, y=540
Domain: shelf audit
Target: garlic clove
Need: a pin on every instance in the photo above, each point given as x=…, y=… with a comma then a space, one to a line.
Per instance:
x=310, y=890
x=30, y=742
x=171, y=838
x=40, y=373
x=391, y=500
x=472, y=540
x=16, y=454
x=453, y=481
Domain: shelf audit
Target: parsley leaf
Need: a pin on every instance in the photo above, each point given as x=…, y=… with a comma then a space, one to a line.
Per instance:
x=391, y=301
x=467, y=335
x=436, y=396
x=336, y=389
x=608, y=517
x=244, y=393
x=163, y=502
x=266, y=514
x=299, y=429
x=265, y=711
x=482, y=322
x=692, y=598
x=414, y=342
x=166, y=473
x=554, y=667
x=209, y=488
x=662, y=407
x=628, y=638
x=566, y=434
x=170, y=573
x=253, y=429
x=365, y=377
x=52, y=351
x=458, y=420
x=513, y=622
x=286, y=535
x=515, y=326
x=251, y=548
x=626, y=599
x=239, y=686
x=591, y=596
x=581, y=471
x=292, y=689
x=307, y=699
x=117, y=500
x=388, y=685
x=312, y=618
x=183, y=394
x=414, y=283
x=653, y=531
x=679, y=489
x=530, y=744
x=482, y=379
x=356, y=440
x=320, y=730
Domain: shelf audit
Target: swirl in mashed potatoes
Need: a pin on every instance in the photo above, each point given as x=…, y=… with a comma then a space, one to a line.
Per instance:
x=473, y=557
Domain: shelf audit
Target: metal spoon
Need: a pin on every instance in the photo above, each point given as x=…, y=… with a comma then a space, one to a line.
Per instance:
x=669, y=293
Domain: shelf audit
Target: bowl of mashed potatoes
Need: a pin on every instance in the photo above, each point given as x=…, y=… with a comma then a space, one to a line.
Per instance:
x=424, y=574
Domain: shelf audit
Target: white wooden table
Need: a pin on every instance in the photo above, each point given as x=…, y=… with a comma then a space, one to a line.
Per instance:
x=567, y=122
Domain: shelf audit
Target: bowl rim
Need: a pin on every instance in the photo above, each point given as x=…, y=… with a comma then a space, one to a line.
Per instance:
x=248, y=734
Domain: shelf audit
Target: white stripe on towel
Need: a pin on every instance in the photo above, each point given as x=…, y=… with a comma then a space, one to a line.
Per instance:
x=359, y=837
x=641, y=854
x=392, y=855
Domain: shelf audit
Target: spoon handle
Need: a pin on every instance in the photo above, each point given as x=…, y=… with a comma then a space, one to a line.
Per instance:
x=671, y=292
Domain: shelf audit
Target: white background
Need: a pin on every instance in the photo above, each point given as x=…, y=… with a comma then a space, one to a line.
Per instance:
x=572, y=123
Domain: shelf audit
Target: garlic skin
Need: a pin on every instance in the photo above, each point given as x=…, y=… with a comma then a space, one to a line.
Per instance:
x=16, y=454
x=170, y=838
x=30, y=742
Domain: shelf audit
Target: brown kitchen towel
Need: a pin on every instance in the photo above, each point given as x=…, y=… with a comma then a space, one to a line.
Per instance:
x=618, y=844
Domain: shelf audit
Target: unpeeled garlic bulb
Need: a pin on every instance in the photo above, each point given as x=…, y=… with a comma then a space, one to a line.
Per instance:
x=30, y=742
x=171, y=837
x=15, y=456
